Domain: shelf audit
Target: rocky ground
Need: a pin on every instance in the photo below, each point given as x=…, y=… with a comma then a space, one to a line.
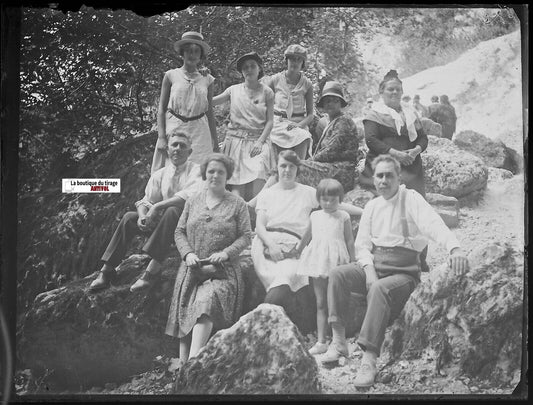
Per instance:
x=498, y=216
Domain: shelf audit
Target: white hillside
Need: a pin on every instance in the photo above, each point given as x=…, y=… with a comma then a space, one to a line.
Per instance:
x=485, y=87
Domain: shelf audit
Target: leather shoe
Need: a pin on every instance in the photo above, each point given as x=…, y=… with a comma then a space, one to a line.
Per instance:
x=334, y=353
x=145, y=281
x=103, y=280
x=365, y=375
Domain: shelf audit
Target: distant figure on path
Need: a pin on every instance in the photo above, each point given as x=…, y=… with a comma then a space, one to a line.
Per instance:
x=448, y=111
x=421, y=109
x=433, y=106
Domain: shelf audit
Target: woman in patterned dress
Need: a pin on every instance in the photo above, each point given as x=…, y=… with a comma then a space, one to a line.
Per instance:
x=247, y=138
x=186, y=103
x=214, y=225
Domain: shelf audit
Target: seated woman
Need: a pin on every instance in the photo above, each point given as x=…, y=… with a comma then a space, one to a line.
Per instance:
x=391, y=129
x=293, y=104
x=337, y=151
x=215, y=225
x=283, y=212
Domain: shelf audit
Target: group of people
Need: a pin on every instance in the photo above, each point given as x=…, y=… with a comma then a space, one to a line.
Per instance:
x=303, y=234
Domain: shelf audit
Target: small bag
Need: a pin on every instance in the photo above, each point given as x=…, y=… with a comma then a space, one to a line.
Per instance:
x=397, y=258
x=209, y=271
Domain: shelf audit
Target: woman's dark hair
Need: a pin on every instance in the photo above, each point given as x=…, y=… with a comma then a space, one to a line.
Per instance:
x=331, y=188
x=261, y=71
x=391, y=75
x=290, y=56
x=444, y=99
x=291, y=156
x=228, y=163
x=183, y=47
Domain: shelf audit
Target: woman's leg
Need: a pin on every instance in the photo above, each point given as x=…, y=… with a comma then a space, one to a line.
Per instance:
x=320, y=286
x=185, y=345
x=301, y=149
x=200, y=334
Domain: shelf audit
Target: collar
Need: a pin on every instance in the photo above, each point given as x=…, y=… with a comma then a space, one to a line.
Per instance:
x=395, y=197
x=175, y=170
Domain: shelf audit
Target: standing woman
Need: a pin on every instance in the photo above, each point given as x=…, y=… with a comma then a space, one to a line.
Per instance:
x=293, y=104
x=214, y=226
x=391, y=129
x=186, y=103
x=251, y=116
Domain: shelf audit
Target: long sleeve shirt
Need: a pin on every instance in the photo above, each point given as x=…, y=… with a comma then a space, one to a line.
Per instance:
x=183, y=181
x=380, y=225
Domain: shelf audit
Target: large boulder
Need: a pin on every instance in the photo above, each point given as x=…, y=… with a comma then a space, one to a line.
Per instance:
x=493, y=152
x=471, y=325
x=82, y=340
x=431, y=127
x=263, y=353
x=451, y=171
x=497, y=175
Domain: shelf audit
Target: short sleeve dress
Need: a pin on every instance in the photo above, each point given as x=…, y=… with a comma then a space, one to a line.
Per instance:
x=225, y=227
x=289, y=106
x=327, y=248
x=247, y=122
x=287, y=213
x=188, y=98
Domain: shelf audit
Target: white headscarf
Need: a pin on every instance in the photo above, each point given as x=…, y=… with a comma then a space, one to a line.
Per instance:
x=410, y=118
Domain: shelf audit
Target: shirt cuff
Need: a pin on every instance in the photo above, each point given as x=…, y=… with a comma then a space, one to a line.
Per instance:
x=143, y=202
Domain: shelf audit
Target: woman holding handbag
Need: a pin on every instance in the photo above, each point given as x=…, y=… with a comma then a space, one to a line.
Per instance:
x=213, y=230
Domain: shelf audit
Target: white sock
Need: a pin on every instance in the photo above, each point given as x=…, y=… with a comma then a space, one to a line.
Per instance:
x=369, y=357
x=338, y=334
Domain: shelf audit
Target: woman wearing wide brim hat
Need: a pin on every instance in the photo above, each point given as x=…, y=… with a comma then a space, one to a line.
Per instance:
x=247, y=138
x=293, y=104
x=186, y=102
x=337, y=150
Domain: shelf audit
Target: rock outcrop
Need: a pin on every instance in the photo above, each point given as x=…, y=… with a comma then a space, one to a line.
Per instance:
x=263, y=353
x=88, y=339
x=431, y=127
x=451, y=171
x=493, y=153
x=471, y=325
x=496, y=175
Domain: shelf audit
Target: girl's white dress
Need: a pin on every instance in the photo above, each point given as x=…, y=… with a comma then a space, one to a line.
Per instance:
x=327, y=248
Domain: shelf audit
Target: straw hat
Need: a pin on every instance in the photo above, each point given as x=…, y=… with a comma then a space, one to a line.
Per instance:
x=192, y=37
x=332, y=89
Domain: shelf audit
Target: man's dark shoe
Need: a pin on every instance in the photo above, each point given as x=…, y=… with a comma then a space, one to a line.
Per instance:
x=104, y=279
x=145, y=281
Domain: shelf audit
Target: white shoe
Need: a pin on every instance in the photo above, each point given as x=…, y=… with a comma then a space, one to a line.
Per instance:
x=318, y=348
x=365, y=375
x=334, y=353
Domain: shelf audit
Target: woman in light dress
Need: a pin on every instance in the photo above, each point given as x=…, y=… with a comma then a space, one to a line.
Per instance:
x=247, y=139
x=186, y=103
x=293, y=104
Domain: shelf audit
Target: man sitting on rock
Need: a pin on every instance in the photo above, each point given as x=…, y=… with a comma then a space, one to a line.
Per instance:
x=157, y=215
x=395, y=227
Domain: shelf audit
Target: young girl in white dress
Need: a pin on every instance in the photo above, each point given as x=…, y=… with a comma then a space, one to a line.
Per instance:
x=332, y=244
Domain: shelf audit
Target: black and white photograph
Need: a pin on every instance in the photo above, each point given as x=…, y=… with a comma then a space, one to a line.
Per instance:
x=257, y=202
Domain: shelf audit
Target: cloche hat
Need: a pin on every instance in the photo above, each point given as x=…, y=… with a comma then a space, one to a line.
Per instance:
x=296, y=50
x=332, y=88
x=192, y=37
x=246, y=56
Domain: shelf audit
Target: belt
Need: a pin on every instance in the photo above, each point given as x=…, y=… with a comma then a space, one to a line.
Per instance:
x=185, y=119
x=244, y=134
x=269, y=229
x=284, y=114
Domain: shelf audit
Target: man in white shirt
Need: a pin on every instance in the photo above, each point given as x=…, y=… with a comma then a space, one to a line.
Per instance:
x=394, y=228
x=157, y=214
